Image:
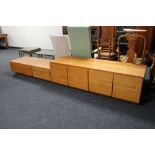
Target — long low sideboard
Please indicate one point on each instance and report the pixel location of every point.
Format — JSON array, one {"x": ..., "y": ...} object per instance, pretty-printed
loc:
[{"x": 119, "y": 80}]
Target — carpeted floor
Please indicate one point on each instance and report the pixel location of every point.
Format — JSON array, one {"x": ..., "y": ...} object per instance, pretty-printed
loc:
[{"x": 29, "y": 103}]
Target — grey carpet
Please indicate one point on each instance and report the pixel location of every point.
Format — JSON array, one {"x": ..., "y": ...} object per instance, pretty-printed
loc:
[{"x": 29, "y": 103}]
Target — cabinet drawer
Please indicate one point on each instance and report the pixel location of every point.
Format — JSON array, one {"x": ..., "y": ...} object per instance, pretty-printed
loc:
[
  {"x": 127, "y": 88},
  {"x": 78, "y": 77},
  {"x": 21, "y": 68},
  {"x": 59, "y": 74},
  {"x": 41, "y": 73},
  {"x": 100, "y": 82}
]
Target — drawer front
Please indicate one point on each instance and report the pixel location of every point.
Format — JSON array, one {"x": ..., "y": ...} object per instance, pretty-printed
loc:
[
  {"x": 127, "y": 88},
  {"x": 41, "y": 73},
  {"x": 78, "y": 77},
  {"x": 100, "y": 82},
  {"x": 21, "y": 68},
  {"x": 59, "y": 74}
]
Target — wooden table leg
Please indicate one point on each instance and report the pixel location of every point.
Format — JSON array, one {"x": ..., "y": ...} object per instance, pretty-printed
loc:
[{"x": 6, "y": 41}]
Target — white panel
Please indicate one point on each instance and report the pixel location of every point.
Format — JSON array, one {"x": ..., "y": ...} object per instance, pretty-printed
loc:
[{"x": 31, "y": 36}]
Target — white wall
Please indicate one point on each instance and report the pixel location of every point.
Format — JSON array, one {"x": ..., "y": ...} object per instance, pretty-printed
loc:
[{"x": 31, "y": 36}]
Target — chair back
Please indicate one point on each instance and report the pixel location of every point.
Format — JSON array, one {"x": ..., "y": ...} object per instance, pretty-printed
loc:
[
  {"x": 80, "y": 41},
  {"x": 61, "y": 45},
  {"x": 131, "y": 55},
  {"x": 0, "y": 30},
  {"x": 106, "y": 49}
]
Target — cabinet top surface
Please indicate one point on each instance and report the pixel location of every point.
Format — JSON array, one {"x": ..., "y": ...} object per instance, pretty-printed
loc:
[
  {"x": 33, "y": 61},
  {"x": 103, "y": 65}
]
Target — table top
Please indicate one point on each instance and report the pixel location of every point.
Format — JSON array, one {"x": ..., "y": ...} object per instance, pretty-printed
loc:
[
  {"x": 90, "y": 63},
  {"x": 103, "y": 65},
  {"x": 46, "y": 52},
  {"x": 29, "y": 49}
]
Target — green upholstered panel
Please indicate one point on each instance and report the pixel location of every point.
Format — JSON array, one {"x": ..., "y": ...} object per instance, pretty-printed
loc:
[{"x": 80, "y": 41}]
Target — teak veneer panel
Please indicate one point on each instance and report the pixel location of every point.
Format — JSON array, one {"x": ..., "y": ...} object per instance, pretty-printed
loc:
[
  {"x": 120, "y": 80},
  {"x": 41, "y": 73},
  {"x": 21, "y": 68},
  {"x": 59, "y": 74},
  {"x": 127, "y": 88},
  {"x": 78, "y": 77},
  {"x": 32, "y": 66},
  {"x": 103, "y": 65},
  {"x": 100, "y": 82},
  {"x": 33, "y": 61}
]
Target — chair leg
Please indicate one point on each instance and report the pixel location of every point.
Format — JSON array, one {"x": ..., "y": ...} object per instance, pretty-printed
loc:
[{"x": 152, "y": 73}]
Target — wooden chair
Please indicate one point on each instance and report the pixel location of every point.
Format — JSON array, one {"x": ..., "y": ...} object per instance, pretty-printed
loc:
[
  {"x": 131, "y": 55},
  {"x": 4, "y": 40},
  {"x": 152, "y": 68},
  {"x": 106, "y": 50}
]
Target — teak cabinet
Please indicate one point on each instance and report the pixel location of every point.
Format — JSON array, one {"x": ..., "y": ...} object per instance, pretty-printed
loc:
[
  {"x": 116, "y": 79},
  {"x": 123, "y": 81},
  {"x": 78, "y": 77},
  {"x": 59, "y": 74},
  {"x": 31, "y": 66},
  {"x": 41, "y": 73},
  {"x": 127, "y": 87},
  {"x": 100, "y": 82},
  {"x": 22, "y": 68}
]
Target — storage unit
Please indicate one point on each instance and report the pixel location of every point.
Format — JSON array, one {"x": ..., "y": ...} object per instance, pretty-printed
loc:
[
  {"x": 59, "y": 74},
  {"x": 21, "y": 68},
  {"x": 116, "y": 79},
  {"x": 32, "y": 66},
  {"x": 100, "y": 82},
  {"x": 78, "y": 77},
  {"x": 41, "y": 73},
  {"x": 22, "y": 65},
  {"x": 127, "y": 87}
]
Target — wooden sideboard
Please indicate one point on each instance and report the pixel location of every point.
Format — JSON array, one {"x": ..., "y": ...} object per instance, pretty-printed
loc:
[
  {"x": 110, "y": 78},
  {"x": 116, "y": 79},
  {"x": 31, "y": 66}
]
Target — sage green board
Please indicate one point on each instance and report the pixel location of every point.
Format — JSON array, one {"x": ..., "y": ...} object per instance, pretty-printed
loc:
[{"x": 80, "y": 41}]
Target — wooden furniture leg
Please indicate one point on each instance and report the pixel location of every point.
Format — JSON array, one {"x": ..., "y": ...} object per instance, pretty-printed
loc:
[
  {"x": 152, "y": 72},
  {"x": 6, "y": 41}
]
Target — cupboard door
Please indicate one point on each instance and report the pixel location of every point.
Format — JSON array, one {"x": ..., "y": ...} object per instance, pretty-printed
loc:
[
  {"x": 41, "y": 73},
  {"x": 127, "y": 88},
  {"x": 100, "y": 82},
  {"x": 21, "y": 68},
  {"x": 78, "y": 77},
  {"x": 59, "y": 74}
]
